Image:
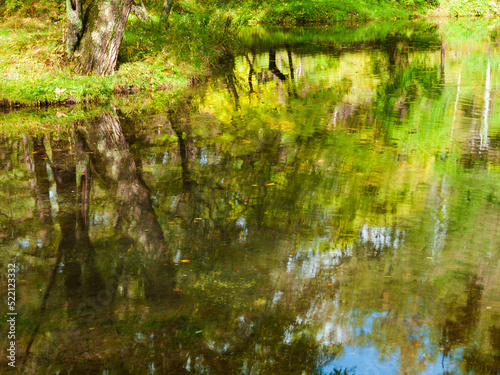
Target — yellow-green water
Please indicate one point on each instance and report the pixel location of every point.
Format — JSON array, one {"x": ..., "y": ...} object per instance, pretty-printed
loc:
[{"x": 327, "y": 205}]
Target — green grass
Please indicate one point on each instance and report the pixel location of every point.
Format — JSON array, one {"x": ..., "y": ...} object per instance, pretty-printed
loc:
[
  {"x": 323, "y": 12},
  {"x": 33, "y": 68},
  {"x": 155, "y": 58},
  {"x": 467, "y": 8}
]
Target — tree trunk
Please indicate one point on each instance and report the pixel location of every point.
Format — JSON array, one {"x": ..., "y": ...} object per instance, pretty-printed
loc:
[
  {"x": 140, "y": 12},
  {"x": 443, "y": 52},
  {"x": 273, "y": 67},
  {"x": 167, "y": 6},
  {"x": 95, "y": 38},
  {"x": 75, "y": 24}
]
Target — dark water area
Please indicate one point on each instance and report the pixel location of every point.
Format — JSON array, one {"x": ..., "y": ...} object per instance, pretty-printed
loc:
[{"x": 329, "y": 204}]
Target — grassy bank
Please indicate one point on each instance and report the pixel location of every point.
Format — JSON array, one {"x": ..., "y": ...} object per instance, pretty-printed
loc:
[
  {"x": 466, "y": 8},
  {"x": 323, "y": 12},
  {"x": 155, "y": 58}
]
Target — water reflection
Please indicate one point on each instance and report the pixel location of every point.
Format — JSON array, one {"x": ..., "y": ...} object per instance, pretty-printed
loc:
[{"x": 328, "y": 205}]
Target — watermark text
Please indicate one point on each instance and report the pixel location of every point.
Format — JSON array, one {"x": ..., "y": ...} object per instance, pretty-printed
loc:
[{"x": 11, "y": 314}]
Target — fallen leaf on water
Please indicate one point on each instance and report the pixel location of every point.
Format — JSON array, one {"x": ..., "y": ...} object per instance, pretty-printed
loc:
[{"x": 185, "y": 261}]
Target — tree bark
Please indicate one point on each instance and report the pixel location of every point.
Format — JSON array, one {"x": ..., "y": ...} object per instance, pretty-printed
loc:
[
  {"x": 94, "y": 39},
  {"x": 140, "y": 12},
  {"x": 167, "y": 6},
  {"x": 75, "y": 24}
]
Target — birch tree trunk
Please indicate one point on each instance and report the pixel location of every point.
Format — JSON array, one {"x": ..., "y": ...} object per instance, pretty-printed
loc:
[{"x": 95, "y": 35}]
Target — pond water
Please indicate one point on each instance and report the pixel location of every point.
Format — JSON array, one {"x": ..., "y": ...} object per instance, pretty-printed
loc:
[{"x": 328, "y": 204}]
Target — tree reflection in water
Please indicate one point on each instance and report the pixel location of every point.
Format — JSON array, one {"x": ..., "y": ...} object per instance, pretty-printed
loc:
[{"x": 280, "y": 220}]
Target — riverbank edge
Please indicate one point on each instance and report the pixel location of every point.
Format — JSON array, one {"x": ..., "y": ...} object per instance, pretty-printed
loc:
[{"x": 184, "y": 78}]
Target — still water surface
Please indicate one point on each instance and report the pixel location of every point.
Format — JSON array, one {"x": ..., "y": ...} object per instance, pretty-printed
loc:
[{"x": 329, "y": 204}]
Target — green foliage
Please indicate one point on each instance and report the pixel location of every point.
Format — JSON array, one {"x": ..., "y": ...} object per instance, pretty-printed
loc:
[
  {"x": 52, "y": 9},
  {"x": 301, "y": 12},
  {"x": 205, "y": 39},
  {"x": 469, "y": 8}
]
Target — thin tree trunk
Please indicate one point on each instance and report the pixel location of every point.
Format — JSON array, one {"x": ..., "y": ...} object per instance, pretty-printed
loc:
[
  {"x": 273, "y": 67},
  {"x": 251, "y": 72},
  {"x": 443, "y": 52},
  {"x": 456, "y": 106},
  {"x": 140, "y": 11},
  {"x": 484, "y": 126},
  {"x": 167, "y": 6}
]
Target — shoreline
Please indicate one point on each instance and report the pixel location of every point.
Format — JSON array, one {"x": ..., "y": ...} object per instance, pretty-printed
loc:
[{"x": 50, "y": 80}]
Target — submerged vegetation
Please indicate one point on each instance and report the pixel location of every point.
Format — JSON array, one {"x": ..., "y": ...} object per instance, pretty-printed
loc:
[{"x": 157, "y": 55}]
